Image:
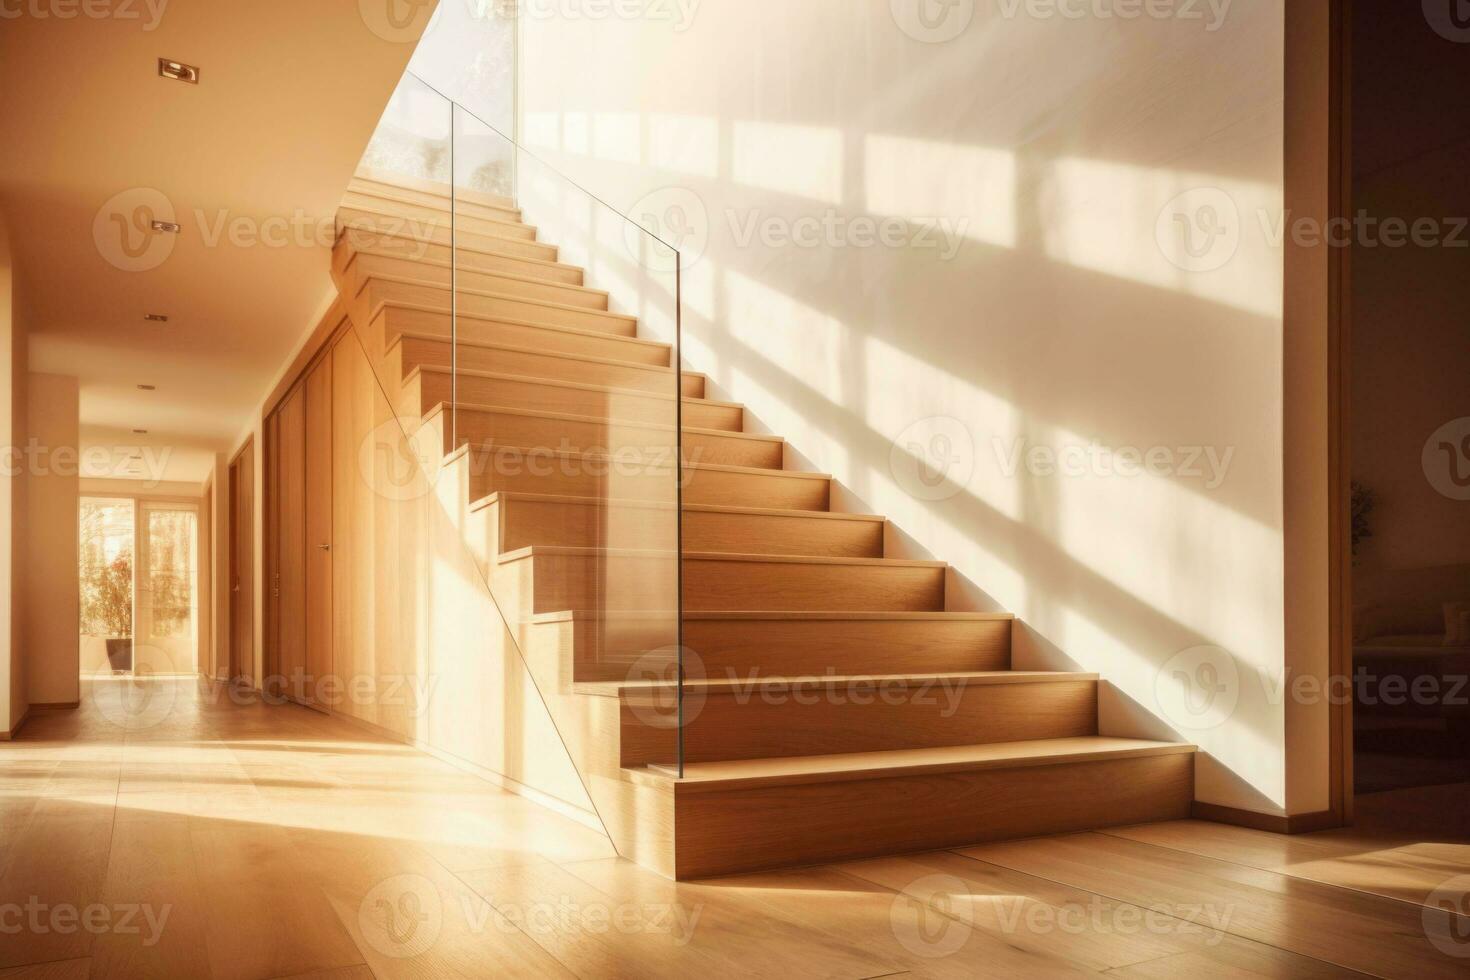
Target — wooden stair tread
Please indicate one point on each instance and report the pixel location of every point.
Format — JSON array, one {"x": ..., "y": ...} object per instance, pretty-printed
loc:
[
  {"x": 371, "y": 207},
  {"x": 594, "y": 615},
  {"x": 399, "y": 304},
  {"x": 558, "y": 383},
  {"x": 563, "y": 417},
  {"x": 486, "y": 294},
  {"x": 435, "y": 263},
  {"x": 779, "y": 682},
  {"x": 488, "y": 345},
  {"x": 406, "y": 235},
  {"x": 492, "y": 498},
  {"x": 389, "y": 179},
  {"x": 359, "y": 221},
  {"x": 444, "y": 203},
  {"x": 741, "y": 773},
  {"x": 602, "y": 457},
  {"x": 532, "y": 551}
]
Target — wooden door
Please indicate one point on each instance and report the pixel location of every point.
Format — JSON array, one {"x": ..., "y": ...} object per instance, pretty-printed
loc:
[
  {"x": 291, "y": 545},
  {"x": 319, "y": 522},
  {"x": 242, "y": 565}
]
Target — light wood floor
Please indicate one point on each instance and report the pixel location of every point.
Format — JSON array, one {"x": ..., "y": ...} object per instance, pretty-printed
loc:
[{"x": 280, "y": 843}]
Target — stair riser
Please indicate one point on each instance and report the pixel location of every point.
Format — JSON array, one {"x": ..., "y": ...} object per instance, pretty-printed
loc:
[
  {"x": 371, "y": 224},
  {"x": 787, "y": 492},
  {"x": 533, "y": 340},
  {"x": 519, "y": 259},
  {"x": 777, "y": 826},
  {"x": 419, "y": 351},
  {"x": 415, "y": 250},
  {"x": 633, "y": 583},
  {"x": 859, "y": 717},
  {"x": 376, "y": 291},
  {"x": 470, "y": 223},
  {"x": 545, "y": 473},
  {"x": 736, "y": 647},
  {"x": 371, "y": 177},
  {"x": 489, "y": 429},
  {"x": 575, "y": 524},
  {"x": 436, "y": 202},
  {"x": 438, "y": 387},
  {"x": 363, "y": 266}
]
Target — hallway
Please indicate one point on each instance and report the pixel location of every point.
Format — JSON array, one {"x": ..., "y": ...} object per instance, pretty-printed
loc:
[{"x": 172, "y": 828}]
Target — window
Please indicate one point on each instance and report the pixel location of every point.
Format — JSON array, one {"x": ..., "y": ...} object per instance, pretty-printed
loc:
[{"x": 171, "y": 572}]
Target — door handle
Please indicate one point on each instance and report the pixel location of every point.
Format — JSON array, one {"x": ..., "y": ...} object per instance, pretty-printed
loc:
[{"x": 325, "y": 547}]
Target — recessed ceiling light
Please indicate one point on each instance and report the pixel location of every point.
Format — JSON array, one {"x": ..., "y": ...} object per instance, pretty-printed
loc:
[
  {"x": 156, "y": 317},
  {"x": 178, "y": 71},
  {"x": 147, "y": 387},
  {"x": 167, "y": 227}
]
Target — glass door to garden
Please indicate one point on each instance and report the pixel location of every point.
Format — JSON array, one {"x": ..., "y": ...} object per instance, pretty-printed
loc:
[
  {"x": 167, "y": 590},
  {"x": 139, "y": 586}
]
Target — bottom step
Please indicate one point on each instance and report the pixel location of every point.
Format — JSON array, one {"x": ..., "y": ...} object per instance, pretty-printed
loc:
[{"x": 756, "y": 814}]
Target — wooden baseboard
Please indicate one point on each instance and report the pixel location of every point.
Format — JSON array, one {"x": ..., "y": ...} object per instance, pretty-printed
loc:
[
  {"x": 1274, "y": 823},
  {"x": 9, "y": 736},
  {"x": 56, "y": 706},
  {"x": 584, "y": 817}
]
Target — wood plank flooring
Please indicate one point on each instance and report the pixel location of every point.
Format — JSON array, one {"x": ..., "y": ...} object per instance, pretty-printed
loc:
[{"x": 173, "y": 829}]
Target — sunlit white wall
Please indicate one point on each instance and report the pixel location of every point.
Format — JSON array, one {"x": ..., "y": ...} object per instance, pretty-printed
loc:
[{"x": 1090, "y": 273}]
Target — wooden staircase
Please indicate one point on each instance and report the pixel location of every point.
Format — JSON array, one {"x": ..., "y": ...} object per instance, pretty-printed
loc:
[{"x": 838, "y": 709}]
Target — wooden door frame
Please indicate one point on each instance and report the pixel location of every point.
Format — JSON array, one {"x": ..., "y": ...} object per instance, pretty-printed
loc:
[
  {"x": 1316, "y": 324},
  {"x": 238, "y": 657},
  {"x": 205, "y": 557},
  {"x": 1339, "y": 370},
  {"x": 1317, "y": 423}
]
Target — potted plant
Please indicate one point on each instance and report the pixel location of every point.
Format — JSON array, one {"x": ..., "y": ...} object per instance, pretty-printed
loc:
[{"x": 108, "y": 601}]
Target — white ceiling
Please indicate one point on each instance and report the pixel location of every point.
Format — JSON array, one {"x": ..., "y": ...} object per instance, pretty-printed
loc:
[{"x": 251, "y": 162}]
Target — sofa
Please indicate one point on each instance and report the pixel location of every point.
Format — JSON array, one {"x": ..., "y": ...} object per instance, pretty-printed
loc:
[{"x": 1411, "y": 654}]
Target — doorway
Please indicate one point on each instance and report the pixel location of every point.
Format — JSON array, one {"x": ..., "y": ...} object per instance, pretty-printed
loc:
[
  {"x": 139, "y": 581},
  {"x": 1407, "y": 311}
]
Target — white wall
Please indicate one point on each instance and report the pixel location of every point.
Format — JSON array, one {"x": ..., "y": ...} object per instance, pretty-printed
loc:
[
  {"x": 1062, "y": 310},
  {"x": 52, "y": 641}
]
